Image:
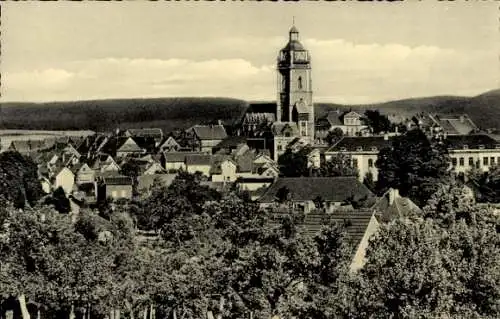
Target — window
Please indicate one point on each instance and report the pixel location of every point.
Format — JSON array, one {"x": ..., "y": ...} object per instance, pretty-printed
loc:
[
  {"x": 355, "y": 162},
  {"x": 454, "y": 161},
  {"x": 114, "y": 194},
  {"x": 492, "y": 161},
  {"x": 300, "y": 83},
  {"x": 287, "y": 134},
  {"x": 280, "y": 147},
  {"x": 461, "y": 161},
  {"x": 303, "y": 123},
  {"x": 471, "y": 161},
  {"x": 498, "y": 160},
  {"x": 485, "y": 161},
  {"x": 124, "y": 193},
  {"x": 370, "y": 162},
  {"x": 303, "y": 133}
]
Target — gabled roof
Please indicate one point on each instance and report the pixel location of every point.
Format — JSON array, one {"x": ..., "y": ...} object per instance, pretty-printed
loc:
[
  {"x": 400, "y": 206},
  {"x": 26, "y": 146},
  {"x": 155, "y": 133},
  {"x": 355, "y": 222},
  {"x": 352, "y": 114},
  {"x": 117, "y": 180},
  {"x": 210, "y": 132},
  {"x": 128, "y": 145},
  {"x": 471, "y": 141},
  {"x": 364, "y": 143},
  {"x": 170, "y": 140},
  {"x": 332, "y": 189}
]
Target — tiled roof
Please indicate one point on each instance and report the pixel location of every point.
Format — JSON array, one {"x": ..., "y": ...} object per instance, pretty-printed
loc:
[
  {"x": 352, "y": 114},
  {"x": 471, "y": 141},
  {"x": 146, "y": 132},
  {"x": 231, "y": 142},
  {"x": 355, "y": 222},
  {"x": 356, "y": 143},
  {"x": 334, "y": 118},
  {"x": 199, "y": 159},
  {"x": 210, "y": 132},
  {"x": 25, "y": 146},
  {"x": 178, "y": 157},
  {"x": 245, "y": 161},
  {"x": 334, "y": 189},
  {"x": 279, "y": 128},
  {"x": 117, "y": 180}
]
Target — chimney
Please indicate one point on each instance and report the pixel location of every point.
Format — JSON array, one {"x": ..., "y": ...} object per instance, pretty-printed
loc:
[
  {"x": 393, "y": 194},
  {"x": 386, "y": 137}
]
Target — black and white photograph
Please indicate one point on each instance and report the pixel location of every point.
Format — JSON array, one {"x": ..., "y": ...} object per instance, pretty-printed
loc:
[{"x": 250, "y": 160}]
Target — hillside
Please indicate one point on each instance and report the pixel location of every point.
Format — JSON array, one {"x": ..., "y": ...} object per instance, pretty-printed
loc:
[
  {"x": 170, "y": 113},
  {"x": 483, "y": 109},
  {"x": 105, "y": 115}
]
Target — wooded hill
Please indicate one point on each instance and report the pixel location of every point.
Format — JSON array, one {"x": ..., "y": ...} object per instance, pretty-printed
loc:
[
  {"x": 170, "y": 113},
  {"x": 105, "y": 115}
]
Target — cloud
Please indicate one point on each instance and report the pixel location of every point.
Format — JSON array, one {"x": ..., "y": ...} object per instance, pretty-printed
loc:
[{"x": 343, "y": 72}]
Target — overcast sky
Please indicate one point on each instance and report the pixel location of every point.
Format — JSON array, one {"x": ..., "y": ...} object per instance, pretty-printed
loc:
[{"x": 361, "y": 52}]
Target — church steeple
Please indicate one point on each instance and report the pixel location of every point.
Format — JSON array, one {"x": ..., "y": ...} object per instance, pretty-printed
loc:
[{"x": 294, "y": 100}]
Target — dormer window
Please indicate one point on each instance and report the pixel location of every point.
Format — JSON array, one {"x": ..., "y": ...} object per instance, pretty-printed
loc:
[
  {"x": 359, "y": 149},
  {"x": 300, "y": 82},
  {"x": 465, "y": 146},
  {"x": 374, "y": 148},
  {"x": 497, "y": 146},
  {"x": 343, "y": 149},
  {"x": 481, "y": 146}
]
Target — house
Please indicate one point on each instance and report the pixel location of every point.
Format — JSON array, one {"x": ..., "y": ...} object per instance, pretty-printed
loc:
[
  {"x": 104, "y": 163},
  {"x": 468, "y": 151},
  {"x": 86, "y": 192},
  {"x": 115, "y": 186},
  {"x": 150, "y": 133},
  {"x": 152, "y": 168},
  {"x": 300, "y": 193},
  {"x": 83, "y": 173},
  {"x": 350, "y": 123},
  {"x": 28, "y": 147},
  {"x": 363, "y": 151},
  {"x": 224, "y": 171},
  {"x": 283, "y": 135},
  {"x": 208, "y": 136},
  {"x": 230, "y": 144},
  {"x": 128, "y": 147},
  {"x": 199, "y": 163},
  {"x": 174, "y": 161},
  {"x": 453, "y": 124},
  {"x": 360, "y": 226},
  {"x": 46, "y": 184},
  {"x": 256, "y": 186},
  {"x": 64, "y": 178},
  {"x": 392, "y": 206},
  {"x": 169, "y": 145}
]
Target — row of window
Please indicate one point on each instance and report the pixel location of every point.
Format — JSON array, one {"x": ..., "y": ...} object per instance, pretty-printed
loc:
[
  {"x": 486, "y": 161},
  {"x": 355, "y": 162}
]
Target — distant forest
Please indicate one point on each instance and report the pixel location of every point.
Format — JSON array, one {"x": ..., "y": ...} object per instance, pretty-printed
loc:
[
  {"x": 106, "y": 115},
  {"x": 171, "y": 113}
]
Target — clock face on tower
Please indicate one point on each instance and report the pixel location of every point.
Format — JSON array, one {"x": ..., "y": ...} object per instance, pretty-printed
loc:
[{"x": 300, "y": 56}]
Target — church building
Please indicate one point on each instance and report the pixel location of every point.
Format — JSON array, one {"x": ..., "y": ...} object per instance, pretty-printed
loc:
[
  {"x": 294, "y": 105},
  {"x": 292, "y": 117}
]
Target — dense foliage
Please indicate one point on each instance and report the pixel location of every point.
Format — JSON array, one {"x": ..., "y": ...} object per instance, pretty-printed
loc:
[
  {"x": 486, "y": 184},
  {"x": 19, "y": 179},
  {"x": 377, "y": 122},
  {"x": 414, "y": 165}
]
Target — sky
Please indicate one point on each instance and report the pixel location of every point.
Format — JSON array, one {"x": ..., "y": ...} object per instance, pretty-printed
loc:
[{"x": 361, "y": 52}]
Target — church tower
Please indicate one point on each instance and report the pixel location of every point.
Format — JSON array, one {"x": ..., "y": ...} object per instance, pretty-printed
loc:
[{"x": 294, "y": 100}]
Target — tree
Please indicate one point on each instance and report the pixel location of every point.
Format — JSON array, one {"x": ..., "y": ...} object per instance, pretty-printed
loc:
[
  {"x": 454, "y": 269},
  {"x": 338, "y": 165},
  {"x": 19, "y": 179},
  {"x": 132, "y": 169},
  {"x": 486, "y": 184},
  {"x": 334, "y": 136},
  {"x": 414, "y": 165},
  {"x": 377, "y": 122},
  {"x": 60, "y": 201},
  {"x": 294, "y": 164}
]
